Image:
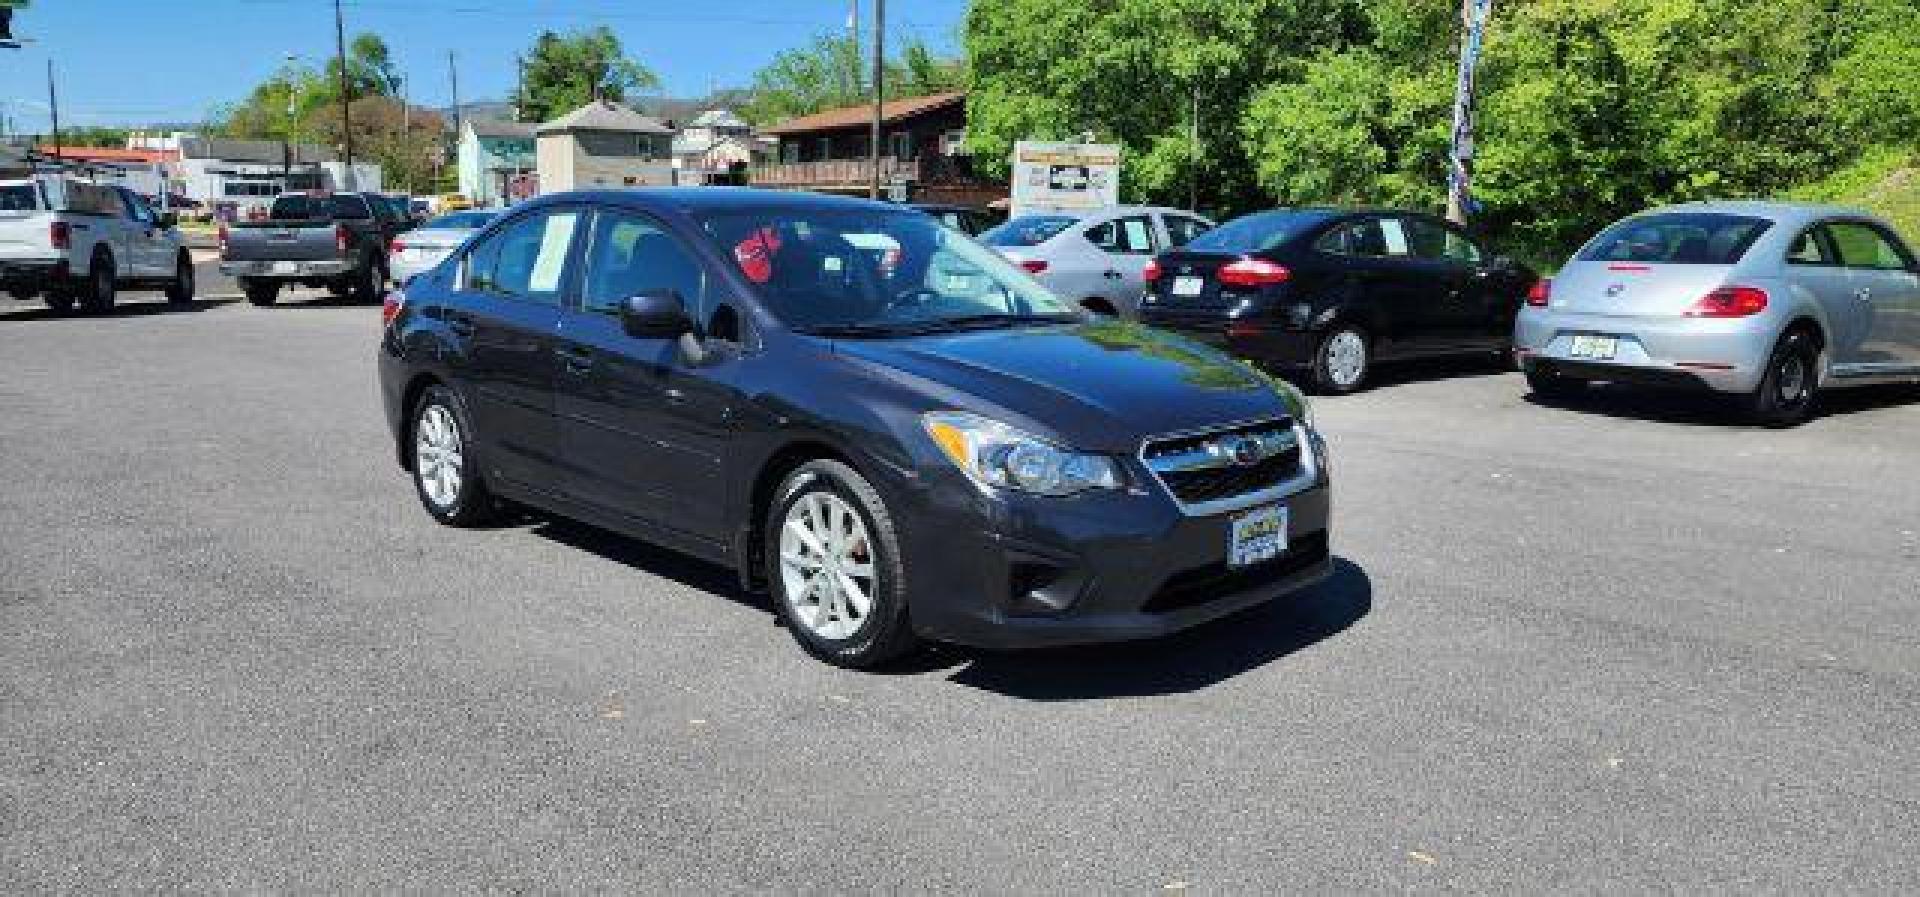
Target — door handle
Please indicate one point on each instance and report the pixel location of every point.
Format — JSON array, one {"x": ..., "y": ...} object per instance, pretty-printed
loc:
[
  {"x": 576, "y": 358},
  {"x": 1864, "y": 294}
]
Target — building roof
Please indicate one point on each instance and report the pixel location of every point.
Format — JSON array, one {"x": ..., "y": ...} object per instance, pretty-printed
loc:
[
  {"x": 494, "y": 127},
  {"x": 718, "y": 118},
  {"x": 108, "y": 154},
  {"x": 260, "y": 151},
  {"x": 604, "y": 115},
  {"x": 852, "y": 116}
]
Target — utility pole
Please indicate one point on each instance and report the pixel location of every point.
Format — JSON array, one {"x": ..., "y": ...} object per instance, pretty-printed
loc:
[
  {"x": 1473, "y": 24},
  {"x": 53, "y": 110},
  {"x": 1193, "y": 138},
  {"x": 879, "y": 88},
  {"x": 346, "y": 94},
  {"x": 453, "y": 76}
]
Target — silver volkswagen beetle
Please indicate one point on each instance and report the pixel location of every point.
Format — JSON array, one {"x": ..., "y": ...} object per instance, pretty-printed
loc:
[{"x": 1768, "y": 301}]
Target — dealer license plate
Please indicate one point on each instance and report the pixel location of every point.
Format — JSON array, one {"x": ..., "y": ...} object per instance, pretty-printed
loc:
[
  {"x": 1187, "y": 286},
  {"x": 285, "y": 268},
  {"x": 1600, "y": 347},
  {"x": 1257, "y": 535}
]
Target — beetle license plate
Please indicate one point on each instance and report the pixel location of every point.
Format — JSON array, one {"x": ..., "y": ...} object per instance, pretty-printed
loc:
[
  {"x": 1600, "y": 347},
  {"x": 1257, "y": 535},
  {"x": 285, "y": 268},
  {"x": 1187, "y": 286}
]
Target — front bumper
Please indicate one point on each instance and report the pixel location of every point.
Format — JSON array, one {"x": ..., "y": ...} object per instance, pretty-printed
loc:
[
  {"x": 287, "y": 270},
  {"x": 1724, "y": 355},
  {"x": 1001, "y": 571}
]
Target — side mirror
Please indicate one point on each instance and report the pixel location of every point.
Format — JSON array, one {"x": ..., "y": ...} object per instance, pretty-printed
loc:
[
  {"x": 655, "y": 314},
  {"x": 169, "y": 220}
]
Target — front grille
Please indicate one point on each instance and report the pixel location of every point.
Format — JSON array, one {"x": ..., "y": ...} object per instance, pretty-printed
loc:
[
  {"x": 1196, "y": 486},
  {"x": 1199, "y": 468},
  {"x": 1201, "y": 585}
]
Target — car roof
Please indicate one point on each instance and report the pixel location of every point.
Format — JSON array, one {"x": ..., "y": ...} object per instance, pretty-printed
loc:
[
  {"x": 1770, "y": 209},
  {"x": 942, "y": 207},
  {"x": 697, "y": 201}
]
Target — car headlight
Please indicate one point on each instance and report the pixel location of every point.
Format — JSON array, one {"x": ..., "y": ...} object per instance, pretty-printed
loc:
[{"x": 994, "y": 454}]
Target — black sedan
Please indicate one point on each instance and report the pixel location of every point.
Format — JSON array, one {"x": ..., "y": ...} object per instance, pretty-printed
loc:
[
  {"x": 1328, "y": 292},
  {"x": 885, "y": 424}
]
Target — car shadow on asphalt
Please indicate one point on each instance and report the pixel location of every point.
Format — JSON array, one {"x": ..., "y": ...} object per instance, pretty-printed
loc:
[
  {"x": 1389, "y": 374},
  {"x": 1705, "y": 409},
  {"x": 320, "y": 300},
  {"x": 24, "y": 311},
  {"x": 645, "y": 557},
  {"x": 1187, "y": 662}
]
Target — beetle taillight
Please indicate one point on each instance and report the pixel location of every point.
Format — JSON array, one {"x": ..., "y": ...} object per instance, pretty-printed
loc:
[
  {"x": 1729, "y": 302},
  {"x": 1540, "y": 293}
]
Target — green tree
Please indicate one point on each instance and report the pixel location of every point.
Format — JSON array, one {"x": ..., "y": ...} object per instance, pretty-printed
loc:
[
  {"x": 565, "y": 72},
  {"x": 831, "y": 72}
]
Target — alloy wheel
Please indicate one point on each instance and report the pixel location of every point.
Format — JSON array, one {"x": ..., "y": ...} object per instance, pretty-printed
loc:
[
  {"x": 1346, "y": 358},
  {"x": 1790, "y": 380},
  {"x": 438, "y": 459},
  {"x": 826, "y": 565}
]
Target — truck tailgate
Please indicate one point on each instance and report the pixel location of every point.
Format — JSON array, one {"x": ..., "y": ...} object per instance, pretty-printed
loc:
[
  {"x": 24, "y": 235},
  {"x": 281, "y": 241}
]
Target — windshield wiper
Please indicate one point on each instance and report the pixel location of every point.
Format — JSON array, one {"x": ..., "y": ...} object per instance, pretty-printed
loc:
[
  {"x": 1000, "y": 319},
  {"x": 855, "y": 330}
]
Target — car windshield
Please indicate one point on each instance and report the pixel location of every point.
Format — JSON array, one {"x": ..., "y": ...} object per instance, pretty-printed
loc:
[
  {"x": 18, "y": 198},
  {"x": 1250, "y": 233},
  {"x": 1027, "y": 230},
  {"x": 878, "y": 273},
  {"x": 1677, "y": 238},
  {"x": 459, "y": 221}
]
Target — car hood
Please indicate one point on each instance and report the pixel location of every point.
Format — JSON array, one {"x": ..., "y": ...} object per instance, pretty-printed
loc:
[{"x": 1101, "y": 386}]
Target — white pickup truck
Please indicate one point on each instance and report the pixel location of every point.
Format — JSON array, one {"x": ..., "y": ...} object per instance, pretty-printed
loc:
[{"x": 74, "y": 243}]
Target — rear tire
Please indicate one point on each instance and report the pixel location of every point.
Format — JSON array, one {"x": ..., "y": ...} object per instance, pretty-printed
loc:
[
  {"x": 446, "y": 472},
  {"x": 829, "y": 543},
  {"x": 1786, "y": 394},
  {"x": 367, "y": 283},
  {"x": 1343, "y": 360},
  {"x": 1554, "y": 386},
  {"x": 260, "y": 293},
  {"x": 102, "y": 285},
  {"x": 180, "y": 291}
]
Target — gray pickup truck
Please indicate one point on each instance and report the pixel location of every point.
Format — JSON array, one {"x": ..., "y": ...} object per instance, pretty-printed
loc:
[{"x": 332, "y": 240}]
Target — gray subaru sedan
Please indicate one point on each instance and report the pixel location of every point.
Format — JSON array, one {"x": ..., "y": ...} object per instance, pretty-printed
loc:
[{"x": 1769, "y": 302}]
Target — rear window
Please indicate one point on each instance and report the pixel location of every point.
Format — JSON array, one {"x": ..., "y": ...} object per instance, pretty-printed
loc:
[
  {"x": 1027, "y": 230},
  {"x": 1678, "y": 238},
  {"x": 19, "y": 198},
  {"x": 460, "y": 221},
  {"x": 1250, "y": 233},
  {"x": 300, "y": 208}
]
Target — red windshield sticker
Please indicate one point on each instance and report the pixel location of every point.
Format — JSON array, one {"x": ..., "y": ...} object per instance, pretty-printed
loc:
[{"x": 755, "y": 254}]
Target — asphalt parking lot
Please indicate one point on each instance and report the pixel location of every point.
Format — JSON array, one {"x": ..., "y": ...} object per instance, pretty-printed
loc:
[{"x": 1621, "y": 645}]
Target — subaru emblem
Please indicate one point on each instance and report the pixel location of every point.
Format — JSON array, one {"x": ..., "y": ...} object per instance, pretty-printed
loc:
[{"x": 1245, "y": 451}]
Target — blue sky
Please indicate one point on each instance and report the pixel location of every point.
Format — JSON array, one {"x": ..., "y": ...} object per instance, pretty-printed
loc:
[{"x": 134, "y": 61}]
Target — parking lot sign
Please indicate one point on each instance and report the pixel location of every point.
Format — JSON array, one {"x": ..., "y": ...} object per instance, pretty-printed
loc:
[{"x": 1064, "y": 177}]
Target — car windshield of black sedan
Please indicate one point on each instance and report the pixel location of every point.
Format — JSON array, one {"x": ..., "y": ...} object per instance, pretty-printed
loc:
[
  {"x": 1251, "y": 233},
  {"x": 879, "y": 273}
]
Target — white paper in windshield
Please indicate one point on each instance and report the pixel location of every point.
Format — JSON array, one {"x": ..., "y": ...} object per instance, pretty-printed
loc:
[{"x": 553, "y": 253}]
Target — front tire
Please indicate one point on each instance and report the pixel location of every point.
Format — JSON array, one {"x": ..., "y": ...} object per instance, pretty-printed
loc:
[
  {"x": 1343, "y": 360},
  {"x": 180, "y": 291},
  {"x": 834, "y": 565},
  {"x": 446, "y": 474},
  {"x": 1785, "y": 396}
]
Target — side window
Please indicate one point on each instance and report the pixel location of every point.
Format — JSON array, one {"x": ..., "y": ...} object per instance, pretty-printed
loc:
[
  {"x": 1812, "y": 247},
  {"x": 526, "y": 260},
  {"x": 629, "y": 254},
  {"x": 137, "y": 209},
  {"x": 1432, "y": 240},
  {"x": 1366, "y": 238},
  {"x": 1864, "y": 246},
  {"x": 1132, "y": 235},
  {"x": 350, "y": 207},
  {"x": 1181, "y": 230}
]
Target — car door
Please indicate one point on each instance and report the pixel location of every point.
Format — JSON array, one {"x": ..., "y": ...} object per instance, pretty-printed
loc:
[
  {"x": 147, "y": 242},
  {"x": 1380, "y": 282},
  {"x": 1812, "y": 268},
  {"x": 1464, "y": 299},
  {"x": 643, "y": 432},
  {"x": 506, "y": 317},
  {"x": 1124, "y": 244},
  {"x": 1881, "y": 271}
]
